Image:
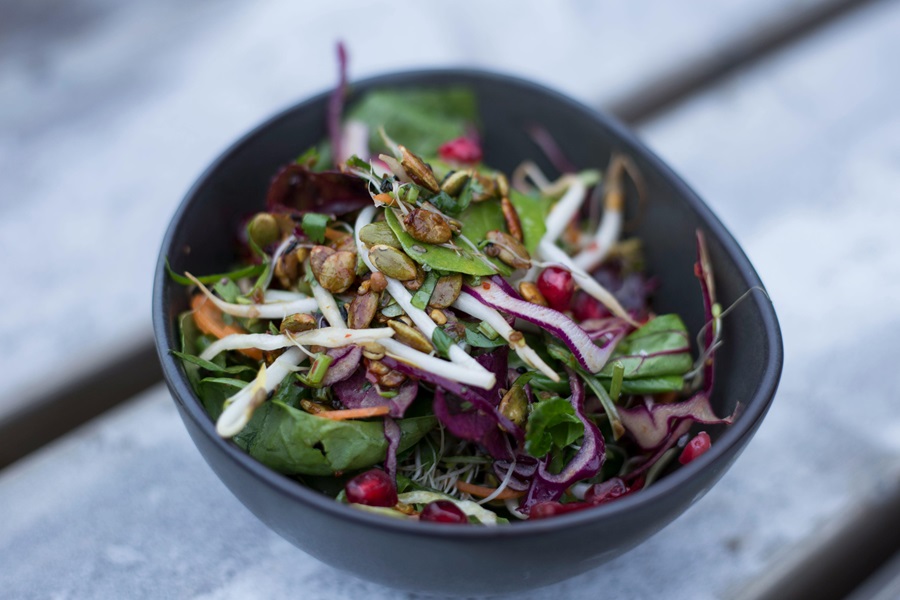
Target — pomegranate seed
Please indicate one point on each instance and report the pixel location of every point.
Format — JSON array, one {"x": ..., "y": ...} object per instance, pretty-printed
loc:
[
  {"x": 372, "y": 488},
  {"x": 557, "y": 287},
  {"x": 697, "y": 446},
  {"x": 543, "y": 510},
  {"x": 607, "y": 491},
  {"x": 461, "y": 150},
  {"x": 586, "y": 307},
  {"x": 443, "y": 511}
]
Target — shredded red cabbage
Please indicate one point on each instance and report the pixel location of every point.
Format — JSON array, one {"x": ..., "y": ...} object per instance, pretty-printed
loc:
[
  {"x": 346, "y": 360},
  {"x": 650, "y": 424},
  {"x": 471, "y": 422},
  {"x": 357, "y": 392}
]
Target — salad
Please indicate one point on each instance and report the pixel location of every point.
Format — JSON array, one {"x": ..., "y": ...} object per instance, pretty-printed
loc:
[{"x": 417, "y": 334}]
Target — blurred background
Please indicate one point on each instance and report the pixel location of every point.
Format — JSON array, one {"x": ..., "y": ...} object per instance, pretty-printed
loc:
[{"x": 784, "y": 115}]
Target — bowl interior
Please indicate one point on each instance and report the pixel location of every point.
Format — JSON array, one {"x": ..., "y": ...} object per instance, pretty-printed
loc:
[{"x": 201, "y": 239}]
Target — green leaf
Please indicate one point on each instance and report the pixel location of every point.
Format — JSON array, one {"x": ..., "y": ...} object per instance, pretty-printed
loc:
[
  {"x": 446, "y": 203},
  {"x": 441, "y": 341},
  {"x": 650, "y": 385},
  {"x": 476, "y": 338},
  {"x": 532, "y": 213},
  {"x": 211, "y": 366},
  {"x": 229, "y": 381},
  {"x": 551, "y": 424},
  {"x": 658, "y": 348},
  {"x": 314, "y": 225},
  {"x": 423, "y": 295},
  {"x": 310, "y": 158},
  {"x": 464, "y": 260},
  {"x": 228, "y": 290},
  {"x": 419, "y": 118},
  {"x": 294, "y": 442},
  {"x": 250, "y": 271}
]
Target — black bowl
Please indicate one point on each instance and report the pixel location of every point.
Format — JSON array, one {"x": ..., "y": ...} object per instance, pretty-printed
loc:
[{"x": 430, "y": 557}]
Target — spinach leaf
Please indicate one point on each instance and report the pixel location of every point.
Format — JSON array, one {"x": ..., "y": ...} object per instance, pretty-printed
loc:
[
  {"x": 658, "y": 348},
  {"x": 551, "y": 424},
  {"x": 649, "y": 385},
  {"x": 532, "y": 213},
  {"x": 476, "y": 222},
  {"x": 420, "y": 118},
  {"x": 294, "y": 442}
]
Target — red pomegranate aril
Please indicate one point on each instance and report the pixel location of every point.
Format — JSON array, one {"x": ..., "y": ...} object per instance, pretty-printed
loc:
[
  {"x": 698, "y": 445},
  {"x": 557, "y": 287},
  {"x": 542, "y": 510},
  {"x": 443, "y": 511},
  {"x": 372, "y": 488},
  {"x": 585, "y": 307},
  {"x": 607, "y": 491},
  {"x": 461, "y": 150}
]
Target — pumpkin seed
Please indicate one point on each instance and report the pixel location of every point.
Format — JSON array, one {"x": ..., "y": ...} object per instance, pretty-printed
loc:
[
  {"x": 418, "y": 171},
  {"x": 514, "y": 405},
  {"x": 337, "y": 272},
  {"x": 362, "y": 310},
  {"x": 509, "y": 250},
  {"x": 454, "y": 182},
  {"x": 428, "y": 227},
  {"x": 379, "y": 233},
  {"x": 531, "y": 293},
  {"x": 446, "y": 291},
  {"x": 297, "y": 322},
  {"x": 392, "y": 262},
  {"x": 263, "y": 229},
  {"x": 410, "y": 336}
]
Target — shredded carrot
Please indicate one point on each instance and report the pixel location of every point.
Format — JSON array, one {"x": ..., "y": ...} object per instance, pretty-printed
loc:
[
  {"x": 335, "y": 235},
  {"x": 483, "y": 492},
  {"x": 355, "y": 413},
  {"x": 208, "y": 318}
]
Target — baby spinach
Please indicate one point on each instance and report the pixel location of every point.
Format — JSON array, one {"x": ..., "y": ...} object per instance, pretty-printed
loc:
[
  {"x": 294, "y": 442},
  {"x": 658, "y": 348},
  {"x": 532, "y": 213}
]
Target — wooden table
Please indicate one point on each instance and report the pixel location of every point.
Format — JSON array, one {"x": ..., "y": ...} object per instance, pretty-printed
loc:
[{"x": 798, "y": 151}]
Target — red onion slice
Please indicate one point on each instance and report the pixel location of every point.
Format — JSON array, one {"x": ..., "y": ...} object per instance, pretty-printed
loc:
[{"x": 588, "y": 354}]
